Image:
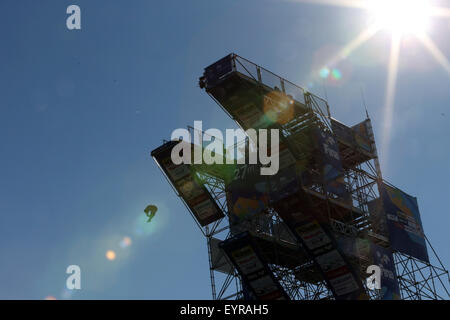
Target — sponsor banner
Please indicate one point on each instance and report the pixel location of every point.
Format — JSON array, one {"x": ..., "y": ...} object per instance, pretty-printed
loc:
[
  {"x": 248, "y": 192},
  {"x": 195, "y": 195},
  {"x": 330, "y": 160},
  {"x": 323, "y": 249},
  {"x": 258, "y": 280},
  {"x": 362, "y": 139},
  {"x": 247, "y": 204},
  {"x": 344, "y": 284},
  {"x": 343, "y": 133},
  {"x": 205, "y": 209},
  {"x": 316, "y": 238},
  {"x": 328, "y": 155},
  {"x": 403, "y": 223},
  {"x": 175, "y": 172},
  {"x": 313, "y": 236},
  {"x": 383, "y": 258},
  {"x": 330, "y": 261},
  {"x": 247, "y": 260},
  {"x": 189, "y": 188},
  {"x": 337, "y": 273},
  {"x": 265, "y": 288},
  {"x": 357, "y": 135},
  {"x": 374, "y": 254}
]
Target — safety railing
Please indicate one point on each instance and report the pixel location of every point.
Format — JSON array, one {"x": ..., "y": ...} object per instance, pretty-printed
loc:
[{"x": 275, "y": 82}]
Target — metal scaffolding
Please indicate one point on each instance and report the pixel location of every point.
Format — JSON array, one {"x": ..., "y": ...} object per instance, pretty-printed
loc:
[{"x": 239, "y": 88}]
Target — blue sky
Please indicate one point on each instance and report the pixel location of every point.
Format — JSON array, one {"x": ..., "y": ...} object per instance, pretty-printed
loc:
[{"x": 80, "y": 112}]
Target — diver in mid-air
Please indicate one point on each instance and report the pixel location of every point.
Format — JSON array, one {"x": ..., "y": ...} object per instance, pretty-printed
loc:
[{"x": 150, "y": 212}]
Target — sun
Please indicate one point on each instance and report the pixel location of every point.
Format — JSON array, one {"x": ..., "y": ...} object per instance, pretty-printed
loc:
[{"x": 400, "y": 16}]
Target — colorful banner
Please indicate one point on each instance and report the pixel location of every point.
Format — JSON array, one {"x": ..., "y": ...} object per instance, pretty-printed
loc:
[
  {"x": 328, "y": 155},
  {"x": 383, "y": 258},
  {"x": 321, "y": 246},
  {"x": 374, "y": 254},
  {"x": 356, "y": 136},
  {"x": 248, "y": 192},
  {"x": 194, "y": 194},
  {"x": 329, "y": 158},
  {"x": 403, "y": 223},
  {"x": 337, "y": 271},
  {"x": 254, "y": 270}
]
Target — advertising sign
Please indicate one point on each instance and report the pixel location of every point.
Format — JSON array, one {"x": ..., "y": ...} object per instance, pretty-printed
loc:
[
  {"x": 330, "y": 160},
  {"x": 362, "y": 136},
  {"x": 343, "y": 133},
  {"x": 248, "y": 191},
  {"x": 328, "y": 155},
  {"x": 403, "y": 223},
  {"x": 374, "y": 254},
  {"x": 255, "y": 273},
  {"x": 195, "y": 195},
  {"x": 383, "y": 258},
  {"x": 337, "y": 271}
]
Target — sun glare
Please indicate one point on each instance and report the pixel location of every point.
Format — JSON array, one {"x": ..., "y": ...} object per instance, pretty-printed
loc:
[{"x": 401, "y": 16}]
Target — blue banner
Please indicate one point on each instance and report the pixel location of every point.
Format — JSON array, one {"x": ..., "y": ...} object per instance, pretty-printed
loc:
[
  {"x": 248, "y": 192},
  {"x": 383, "y": 258},
  {"x": 403, "y": 223}
]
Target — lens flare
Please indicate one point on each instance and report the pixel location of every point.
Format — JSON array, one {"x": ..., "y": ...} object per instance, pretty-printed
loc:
[
  {"x": 324, "y": 72},
  {"x": 66, "y": 294},
  {"x": 50, "y": 298},
  {"x": 278, "y": 107},
  {"x": 110, "y": 255},
  {"x": 337, "y": 75},
  {"x": 125, "y": 242},
  {"x": 390, "y": 96},
  {"x": 435, "y": 52},
  {"x": 142, "y": 228},
  {"x": 354, "y": 44}
]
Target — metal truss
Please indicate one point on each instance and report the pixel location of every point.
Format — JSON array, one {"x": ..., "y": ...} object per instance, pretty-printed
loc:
[
  {"x": 417, "y": 279},
  {"x": 421, "y": 280},
  {"x": 229, "y": 286}
]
